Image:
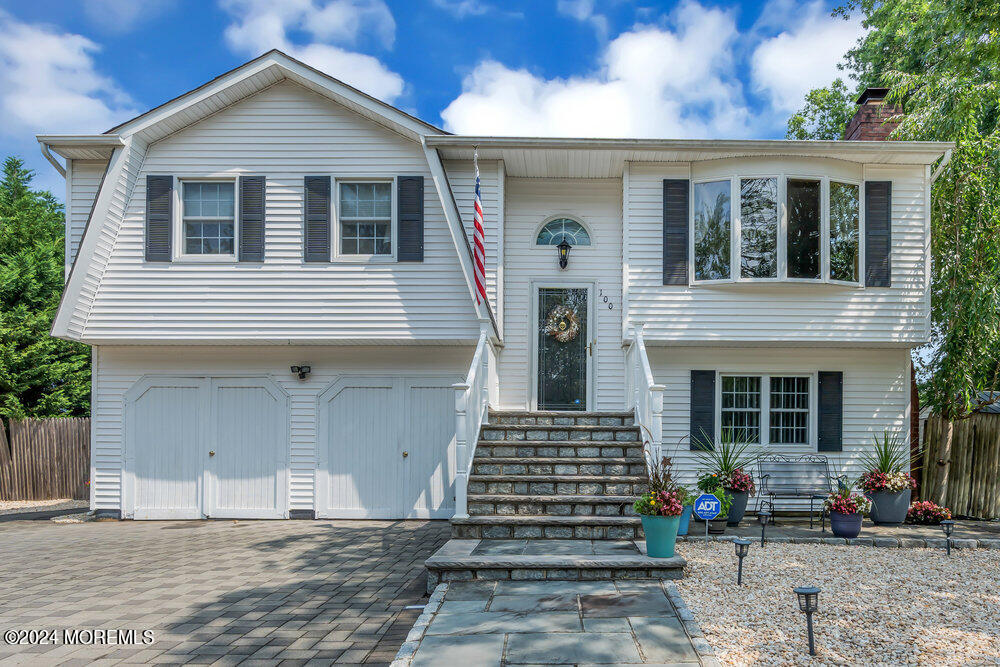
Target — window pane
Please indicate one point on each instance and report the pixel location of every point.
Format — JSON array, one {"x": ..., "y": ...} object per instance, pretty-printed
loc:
[
  {"x": 759, "y": 227},
  {"x": 349, "y": 200},
  {"x": 789, "y": 418},
  {"x": 844, "y": 231},
  {"x": 741, "y": 408},
  {"x": 711, "y": 230},
  {"x": 555, "y": 231},
  {"x": 803, "y": 228},
  {"x": 383, "y": 200}
]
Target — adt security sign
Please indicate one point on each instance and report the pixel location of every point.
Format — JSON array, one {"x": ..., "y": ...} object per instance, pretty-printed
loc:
[{"x": 707, "y": 507}]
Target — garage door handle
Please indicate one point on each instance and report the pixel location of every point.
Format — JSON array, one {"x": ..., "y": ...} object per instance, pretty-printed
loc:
[
  {"x": 211, "y": 453},
  {"x": 405, "y": 454}
]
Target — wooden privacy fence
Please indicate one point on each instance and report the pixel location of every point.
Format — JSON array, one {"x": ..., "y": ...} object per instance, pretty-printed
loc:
[
  {"x": 44, "y": 459},
  {"x": 974, "y": 476}
]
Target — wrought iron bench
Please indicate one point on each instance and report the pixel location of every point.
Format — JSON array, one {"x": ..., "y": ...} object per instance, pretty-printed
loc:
[{"x": 806, "y": 476}]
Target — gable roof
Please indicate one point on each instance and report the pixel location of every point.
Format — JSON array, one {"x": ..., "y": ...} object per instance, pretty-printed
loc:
[{"x": 252, "y": 77}]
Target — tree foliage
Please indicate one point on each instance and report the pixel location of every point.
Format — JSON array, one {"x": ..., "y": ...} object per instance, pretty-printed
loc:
[
  {"x": 40, "y": 376},
  {"x": 825, "y": 114}
]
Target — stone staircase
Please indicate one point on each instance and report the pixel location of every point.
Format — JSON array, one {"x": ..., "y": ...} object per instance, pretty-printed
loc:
[
  {"x": 555, "y": 475},
  {"x": 550, "y": 497}
]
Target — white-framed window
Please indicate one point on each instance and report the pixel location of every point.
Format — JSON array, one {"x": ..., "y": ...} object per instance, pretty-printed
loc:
[
  {"x": 766, "y": 409},
  {"x": 556, "y": 231},
  {"x": 208, "y": 219},
  {"x": 777, "y": 227},
  {"x": 366, "y": 219}
]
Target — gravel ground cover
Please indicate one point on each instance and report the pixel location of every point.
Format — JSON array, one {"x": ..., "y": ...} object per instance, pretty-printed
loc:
[
  {"x": 877, "y": 606},
  {"x": 11, "y": 506}
]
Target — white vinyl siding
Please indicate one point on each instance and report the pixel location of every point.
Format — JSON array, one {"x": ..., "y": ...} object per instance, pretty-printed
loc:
[
  {"x": 596, "y": 204},
  {"x": 84, "y": 180},
  {"x": 876, "y": 393},
  {"x": 119, "y": 368},
  {"x": 782, "y": 312},
  {"x": 283, "y": 133}
]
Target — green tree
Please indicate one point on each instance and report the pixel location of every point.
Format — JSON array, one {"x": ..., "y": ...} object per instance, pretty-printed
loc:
[
  {"x": 40, "y": 376},
  {"x": 825, "y": 114}
]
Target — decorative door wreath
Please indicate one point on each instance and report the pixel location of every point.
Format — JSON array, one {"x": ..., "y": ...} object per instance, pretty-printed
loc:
[{"x": 562, "y": 324}]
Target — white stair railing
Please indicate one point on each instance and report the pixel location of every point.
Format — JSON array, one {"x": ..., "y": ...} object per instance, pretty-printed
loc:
[
  {"x": 645, "y": 394},
  {"x": 472, "y": 403}
]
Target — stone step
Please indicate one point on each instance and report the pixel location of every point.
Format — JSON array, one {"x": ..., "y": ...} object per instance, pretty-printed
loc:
[
  {"x": 559, "y": 465},
  {"x": 587, "y": 485},
  {"x": 558, "y": 448},
  {"x": 561, "y": 418},
  {"x": 548, "y": 527},
  {"x": 506, "y": 505},
  {"x": 563, "y": 560},
  {"x": 575, "y": 432}
]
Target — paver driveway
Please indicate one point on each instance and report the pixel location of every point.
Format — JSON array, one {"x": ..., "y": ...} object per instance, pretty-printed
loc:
[{"x": 225, "y": 591}]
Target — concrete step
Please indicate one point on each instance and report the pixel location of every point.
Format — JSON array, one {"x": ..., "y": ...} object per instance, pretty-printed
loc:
[
  {"x": 561, "y": 418},
  {"x": 548, "y": 527},
  {"x": 588, "y": 485},
  {"x": 486, "y": 449},
  {"x": 559, "y": 465},
  {"x": 573, "y": 505},
  {"x": 574, "y": 432},
  {"x": 554, "y": 560}
]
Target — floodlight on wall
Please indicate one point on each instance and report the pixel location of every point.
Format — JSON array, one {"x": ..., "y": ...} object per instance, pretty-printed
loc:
[{"x": 301, "y": 371}]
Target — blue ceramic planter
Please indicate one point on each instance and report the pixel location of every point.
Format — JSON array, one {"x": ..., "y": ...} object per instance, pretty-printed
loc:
[
  {"x": 682, "y": 528},
  {"x": 661, "y": 535}
]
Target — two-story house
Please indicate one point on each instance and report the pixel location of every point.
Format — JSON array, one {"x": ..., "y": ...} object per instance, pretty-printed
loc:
[{"x": 275, "y": 275}]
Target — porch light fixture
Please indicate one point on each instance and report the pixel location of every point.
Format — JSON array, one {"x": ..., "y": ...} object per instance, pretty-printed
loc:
[
  {"x": 808, "y": 603},
  {"x": 948, "y": 526},
  {"x": 301, "y": 371},
  {"x": 742, "y": 549},
  {"x": 763, "y": 518},
  {"x": 563, "y": 249}
]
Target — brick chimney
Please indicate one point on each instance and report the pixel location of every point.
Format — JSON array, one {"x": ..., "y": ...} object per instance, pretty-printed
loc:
[{"x": 868, "y": 121}]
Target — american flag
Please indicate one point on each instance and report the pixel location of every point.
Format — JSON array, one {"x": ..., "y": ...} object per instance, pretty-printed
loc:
[{"x": 479, "y": 239}]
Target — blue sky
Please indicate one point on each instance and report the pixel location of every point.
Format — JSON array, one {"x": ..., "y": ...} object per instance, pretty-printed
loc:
[{"x": 688, "y": 69}]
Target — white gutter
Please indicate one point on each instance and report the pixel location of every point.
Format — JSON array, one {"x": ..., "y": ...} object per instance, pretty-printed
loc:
[
  {"x": 51, "y": 158},
  {"x": 944, "y": 163}
]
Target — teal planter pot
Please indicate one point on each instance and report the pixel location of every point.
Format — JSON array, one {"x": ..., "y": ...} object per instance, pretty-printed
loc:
[
  {"x": 682, "y": 529},
  {"x": 661, "y": 535}
]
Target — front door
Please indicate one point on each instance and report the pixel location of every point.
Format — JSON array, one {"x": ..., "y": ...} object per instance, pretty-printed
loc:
[{"x": 562, "y": 348}]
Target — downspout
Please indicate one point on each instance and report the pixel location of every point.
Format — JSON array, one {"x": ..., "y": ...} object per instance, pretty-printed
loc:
[
  {"x": 52, "y": 160},
  {"x": 940, "y": 167}
]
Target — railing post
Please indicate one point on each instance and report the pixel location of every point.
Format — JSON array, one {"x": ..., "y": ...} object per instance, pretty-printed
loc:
[
  {"x": 461, "y": 450},
  {"x": 656, "y": 417}
]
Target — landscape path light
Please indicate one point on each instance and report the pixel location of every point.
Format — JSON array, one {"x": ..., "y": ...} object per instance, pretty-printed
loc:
[
  {"x": 742, "y": 549},
  {"x": 763, "y": 518},
  {"x": 808, "y": 603},
  {"x": 948, "y": 526}
]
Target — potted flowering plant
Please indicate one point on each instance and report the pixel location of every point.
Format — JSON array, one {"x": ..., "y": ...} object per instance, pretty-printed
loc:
[
  {"x": 846, "y": 508},
  {"x": 726, "y": 464},
  {"x": 660, "y": 509},
  {"x": 886, "y": 482},
  {"x": 927, "y": 513}
]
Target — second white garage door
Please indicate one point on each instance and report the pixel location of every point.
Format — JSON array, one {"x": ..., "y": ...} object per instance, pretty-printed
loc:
[{"x": 386, "y": 448}]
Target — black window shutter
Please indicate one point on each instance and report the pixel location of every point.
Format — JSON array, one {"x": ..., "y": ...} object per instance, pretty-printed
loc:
[
  {"x": 878, "y": 233},
  {"x": 252, "y": 218},
  {"x": 317, "y": 219},
  {"x": 702, "y": 410},
  {"x": 830, "y": 425},
  {"x": 675, "y": 231},
  {"x": 159, "y": 204},
  {"x": 410, "y": 203}
]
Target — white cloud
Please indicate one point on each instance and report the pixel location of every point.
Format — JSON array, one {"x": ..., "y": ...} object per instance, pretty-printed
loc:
[
  {"x": 583, "y": 11},
  {"x": 121, "y": 16},
  {"x": 803, "y": 55},
  {"x": 262, "y": 25},
  {"x": 463, "y": 8},
  {"x": 652, "y": 81},
  {"x": 49, "y": 82}
]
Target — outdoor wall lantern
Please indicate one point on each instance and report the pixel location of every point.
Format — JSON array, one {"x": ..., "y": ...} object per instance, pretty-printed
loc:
[
  {"x": 808, "y": 603},
  {"x": 563, "y": 249},
  {"x": 763, "y": 518},
  {"x": 948, "y": 526},
  {"x": 302, "y": 371},
  {"x": 742, "y": 549}
]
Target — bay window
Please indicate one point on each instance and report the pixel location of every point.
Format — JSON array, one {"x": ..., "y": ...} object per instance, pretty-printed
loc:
[{"x": 765, "y": 409}]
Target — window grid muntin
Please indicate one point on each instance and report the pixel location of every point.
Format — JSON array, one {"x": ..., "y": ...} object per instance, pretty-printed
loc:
[
  {"x": 789, "y": 408},
  {"x": 554, "y": 231},
  {"x": 365, "y": 214},
  {"x": 741, "y": 408},
  {"x": 208, "y": 217}
]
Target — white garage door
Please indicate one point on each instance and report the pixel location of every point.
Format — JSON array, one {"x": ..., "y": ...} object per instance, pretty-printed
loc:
[
  {"x": 215, "y": 447},
  {"x": 386, "y": 448}
]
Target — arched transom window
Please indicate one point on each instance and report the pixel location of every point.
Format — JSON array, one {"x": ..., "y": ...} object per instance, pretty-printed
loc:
[{"x": 556, "y": 230}]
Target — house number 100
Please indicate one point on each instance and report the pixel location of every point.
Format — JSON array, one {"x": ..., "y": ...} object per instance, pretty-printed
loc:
[{"x": 606, "y": 299}]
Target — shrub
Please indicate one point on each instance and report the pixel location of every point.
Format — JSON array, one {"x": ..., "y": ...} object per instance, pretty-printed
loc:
[{"x": 927, "y": 513}]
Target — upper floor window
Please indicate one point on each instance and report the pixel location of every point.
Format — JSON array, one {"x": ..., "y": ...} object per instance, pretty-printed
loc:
[
  {"x": 365, "y": 217},
  {"x": 555, "y": 231},
  {"x": 776, "y": 228},
  {"x": 209, "y": 217}
]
